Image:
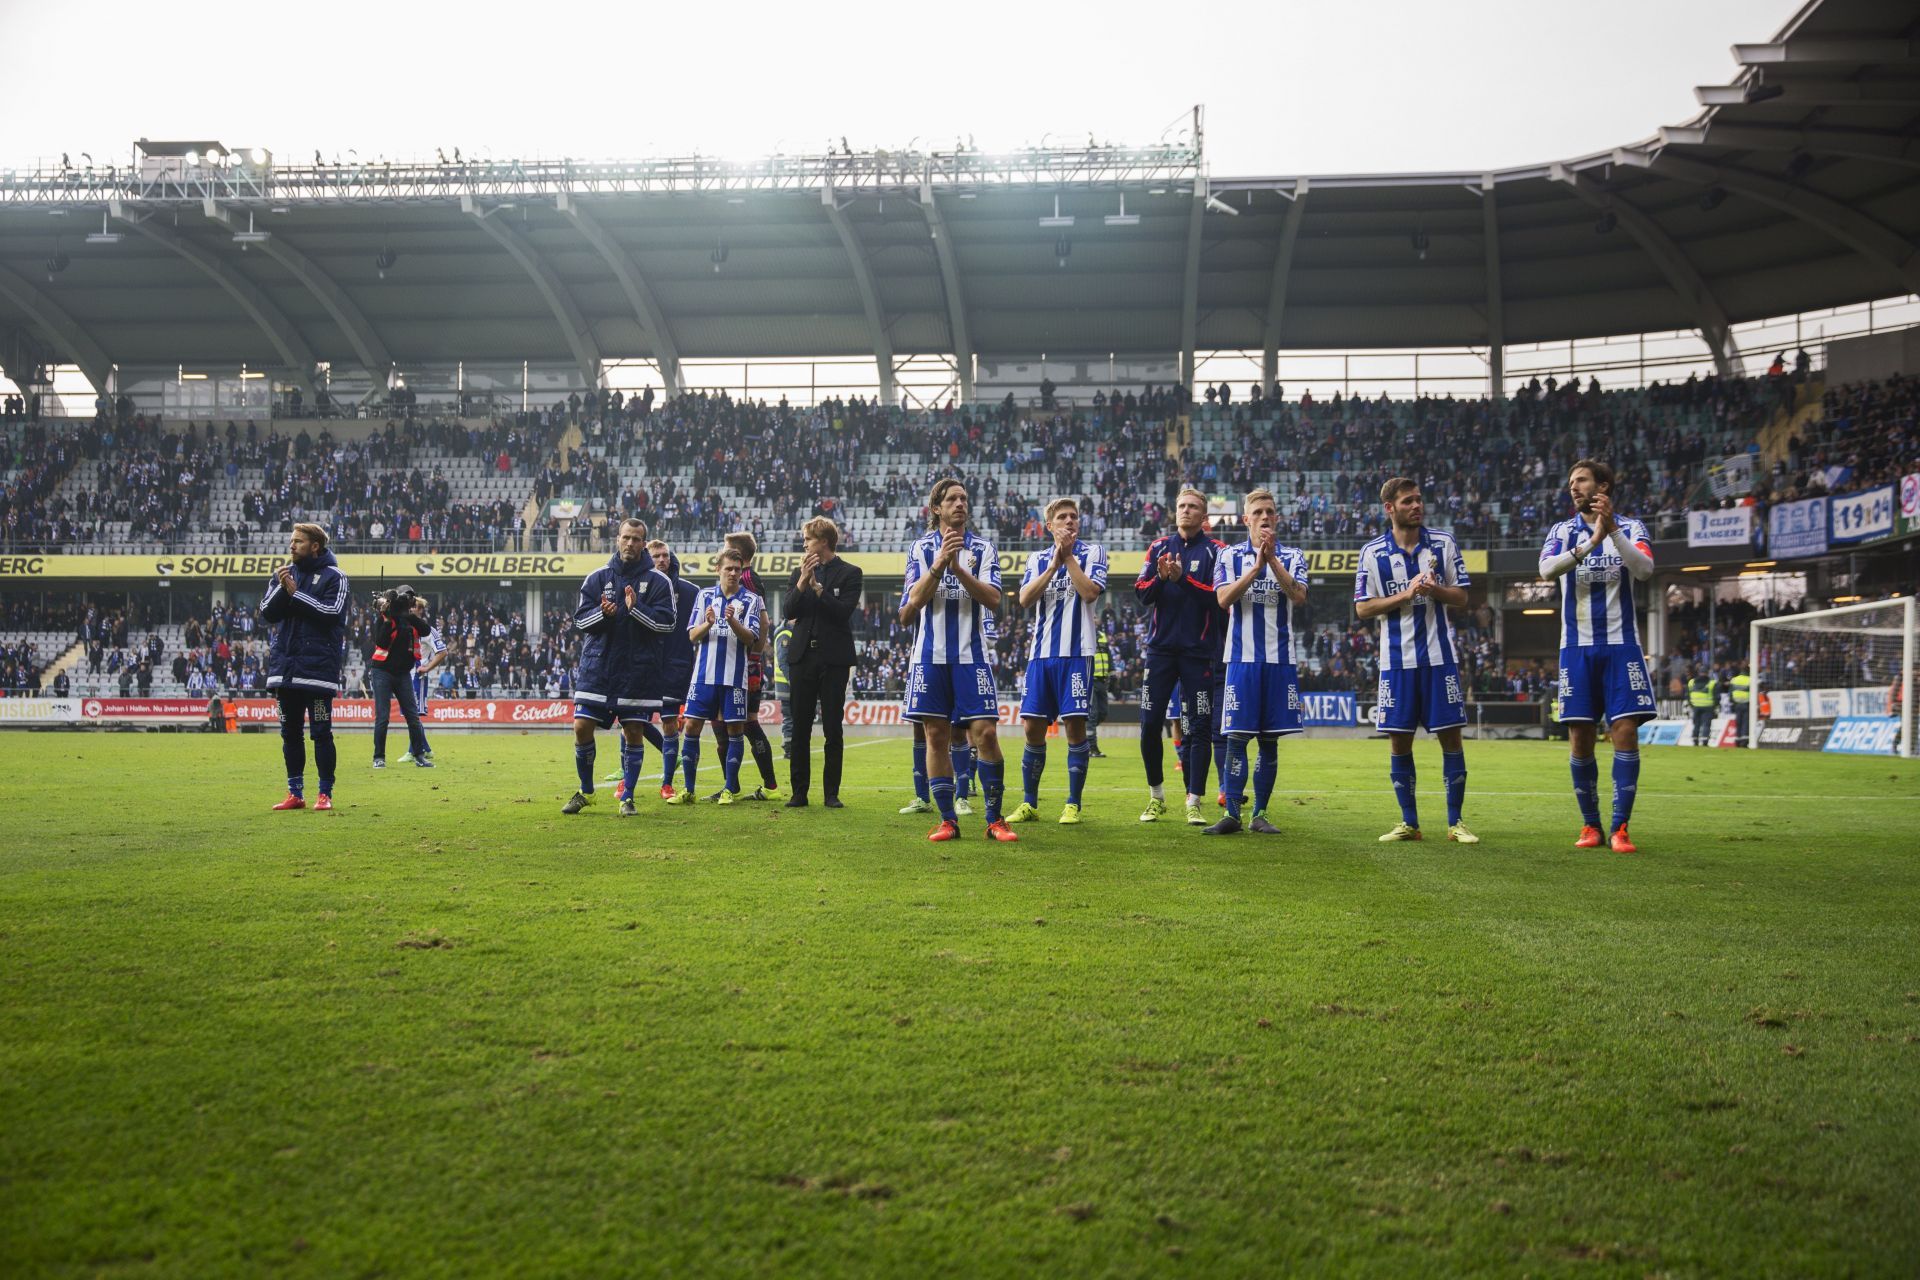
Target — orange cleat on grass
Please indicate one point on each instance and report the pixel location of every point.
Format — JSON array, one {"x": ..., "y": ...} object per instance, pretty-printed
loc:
[
  {"x": 1590, "y": 838},
  {"x": 1622, "y": 843}
]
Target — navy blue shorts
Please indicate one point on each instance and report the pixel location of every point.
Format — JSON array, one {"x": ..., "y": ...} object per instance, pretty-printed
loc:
[
  {"x": 1169, "y": 676},
  {"x": 1604, "y": 682},
  {"x": 1057, "y": 689},
  {"x": 953, "y": 691},
  {"x": 726, "y": 703},
  {"x": 1262, "y": 698},
  {"x": 604, "y": 711},
  {"x": 1429, "y": 698}
]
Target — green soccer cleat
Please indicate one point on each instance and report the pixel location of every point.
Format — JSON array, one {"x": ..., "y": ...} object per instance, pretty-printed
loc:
[
  {"x": 1459, "y": 834},
  {"x": 1070, "y": 815},
  {"x": 767, "y": 793},
  {"x": 1025, "y": 813},
  {"x": 681, "y": 797},
  {"x": 581, "y": 799},
  {"x": 962, "y": 807},
  {"x": 916, "y": 805},
  {"x": 1401, "y": 831},
  {"x": 1155, "y": 810},
  {"x": 727, "y": 797},
  {"x": 1195, "y": 817}
]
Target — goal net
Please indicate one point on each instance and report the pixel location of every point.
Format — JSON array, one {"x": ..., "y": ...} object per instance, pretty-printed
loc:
[{"x": 1836, "y": 680}]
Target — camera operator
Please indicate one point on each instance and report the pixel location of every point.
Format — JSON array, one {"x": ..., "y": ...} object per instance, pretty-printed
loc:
[{"x": 397, "y": 633}]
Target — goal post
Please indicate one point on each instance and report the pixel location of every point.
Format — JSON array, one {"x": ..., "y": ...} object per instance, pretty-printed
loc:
[{"x": 1838, "y": 679}]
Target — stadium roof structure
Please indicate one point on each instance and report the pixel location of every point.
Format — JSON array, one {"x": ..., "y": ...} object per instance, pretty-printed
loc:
[{"x": 1797, "y": 187}]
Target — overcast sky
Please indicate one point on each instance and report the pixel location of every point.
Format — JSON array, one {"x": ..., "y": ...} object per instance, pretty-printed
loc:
[{"x": 1290, "y": 87}]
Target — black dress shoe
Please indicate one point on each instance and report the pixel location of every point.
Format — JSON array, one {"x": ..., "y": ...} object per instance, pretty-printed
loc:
[
  {"x": 833, "y": 802},
  {"x": 796, "y": 802}
]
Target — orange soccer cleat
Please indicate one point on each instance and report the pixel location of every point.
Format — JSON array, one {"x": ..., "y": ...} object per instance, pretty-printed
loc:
[
  {"x": 620, "y": 789},
  {"x": 999, "y": 830},
  {"x": 666, "y": 791},
  {"x": 324, "y": 804},
  {"x": 945, "y": 831},
  {"x": 1589, "y": 838},
  {"x": 291, "y": 802},
  {"x": 1622, "y": 843},
  {"x": 1220, "y": 800}
]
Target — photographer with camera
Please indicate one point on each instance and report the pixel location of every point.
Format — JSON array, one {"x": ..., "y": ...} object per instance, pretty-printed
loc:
[{"x": 397, "y": 634}]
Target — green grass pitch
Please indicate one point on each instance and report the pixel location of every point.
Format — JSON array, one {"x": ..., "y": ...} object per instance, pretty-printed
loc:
[{"x": 447, "y": 1031}]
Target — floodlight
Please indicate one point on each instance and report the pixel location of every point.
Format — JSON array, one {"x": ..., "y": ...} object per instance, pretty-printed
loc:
[
  {"x": 250, "y": 236},
  {"x": 258, "y": 155},
  {"x": 1058, "y": 219},
  {"x": 1123, "y": 218},
  {"x": 103, "y": 236},
  {"x": 193, "y": 157}
]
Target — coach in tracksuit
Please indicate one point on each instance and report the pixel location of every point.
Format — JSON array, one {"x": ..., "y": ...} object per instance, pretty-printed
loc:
[
  {"x": 305, "y": 609},
  {"x": 1176, "y": 582},
  {"x": 624, "y": 610}
]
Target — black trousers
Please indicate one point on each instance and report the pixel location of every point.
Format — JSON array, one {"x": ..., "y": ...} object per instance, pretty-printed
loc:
[{"x": 822, "y": 689}]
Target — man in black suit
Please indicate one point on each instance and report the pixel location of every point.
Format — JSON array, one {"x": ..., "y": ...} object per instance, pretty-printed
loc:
[{"x": 819, "y": 604}]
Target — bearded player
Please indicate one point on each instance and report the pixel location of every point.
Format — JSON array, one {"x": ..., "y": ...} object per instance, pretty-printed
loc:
[
  {"x": 1596, "y": 556},
  {"x": 952, "y": 584},
  {"x": 1408, "y": 578}
]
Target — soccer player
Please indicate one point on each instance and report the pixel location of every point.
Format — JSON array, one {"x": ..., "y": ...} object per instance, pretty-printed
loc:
[
  {"x": 727, "y": 623},
  {"x": 433, "y": 653},
  {"x": 306, "y": 607},
  {"x": 624, "y": 607},
  {"x": 1061, "y": 584},
  {"x": 1595, "y": 555},
  {"x": 676, "y": 666},
  {"x": 1183, "y": 650},
  {"x": 755, "y": 733},
  {"x": 1258, "y": 582},
  {"x": 965, "y": 764},
  {"x": 952, "y": 583},
  {"x": 1408, "y": 578}
]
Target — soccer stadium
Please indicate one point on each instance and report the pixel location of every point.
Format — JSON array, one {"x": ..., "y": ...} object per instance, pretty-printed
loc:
[{"x": 1331, "y": 723}]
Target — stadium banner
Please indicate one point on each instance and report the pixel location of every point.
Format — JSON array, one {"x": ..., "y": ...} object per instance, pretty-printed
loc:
[
  {"x": 1788, "y": 704},
  {"x": 476, "y": 713},
  {"x": 1729, "y": 528},
  {"x": 1731, "y": 476},
  {"x": 143, "y": 711},
  {"x": 29, "y": 711},
  {"x": 1863, "y": 735},
  {"x": 424, "y": 567},
  {"x": 1798, "y": 529},
  {"x": 1829, "y": 704},
  {"x": 1336, "y": 709},
  {"x": 1679, "y": 733},
  {"x": 1909, "y": 505},
  {"x": 1860, "y": 516}
]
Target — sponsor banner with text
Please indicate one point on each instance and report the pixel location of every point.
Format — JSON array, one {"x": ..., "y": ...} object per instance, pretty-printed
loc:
[
  {"x": 1864, "y": 735},
  {"x": 422, "y": 569},
  {"x": 39, "y": 710},
  {"x": 1732, "y": 527},
  {"x": 1861, "y": 517}
]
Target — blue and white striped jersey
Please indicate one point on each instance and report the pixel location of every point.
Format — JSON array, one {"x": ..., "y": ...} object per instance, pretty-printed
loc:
[
  {"x": 1418, "y": 633},
  {"x": 434, "y": 643},
  {"x": 952, "y": 628},
  {"x": 1260, "y": 623},
  {"x": 1064, "y": 624},
  {"x": 721, "y": 658},
  {"x": 1596, "y": 595}
]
